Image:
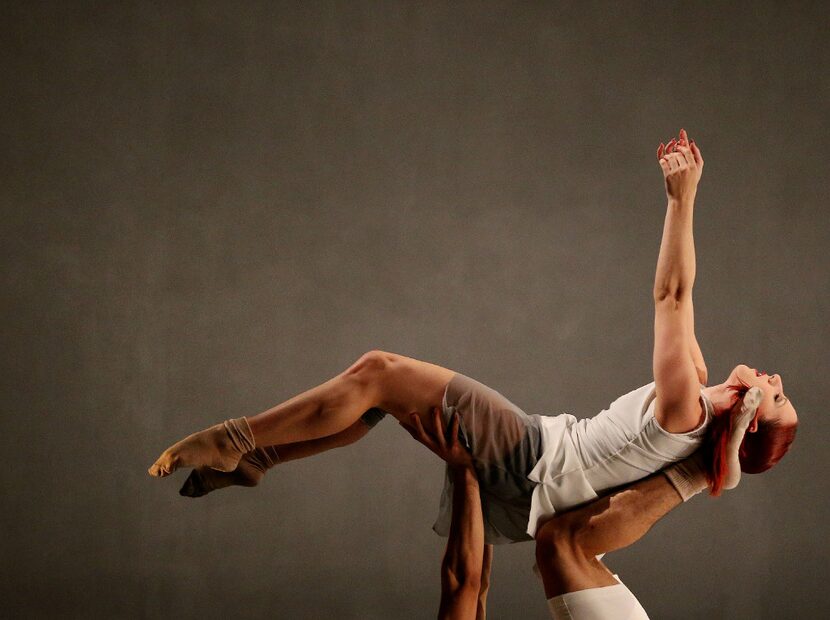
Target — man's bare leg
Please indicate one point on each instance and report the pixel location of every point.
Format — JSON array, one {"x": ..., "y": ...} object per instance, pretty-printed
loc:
[{"x": 394, "y": 383}]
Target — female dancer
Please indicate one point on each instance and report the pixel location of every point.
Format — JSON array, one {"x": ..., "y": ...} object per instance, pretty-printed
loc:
[
  {"x": 531, "y": 466},
  {"x": 577, "y": 583}
]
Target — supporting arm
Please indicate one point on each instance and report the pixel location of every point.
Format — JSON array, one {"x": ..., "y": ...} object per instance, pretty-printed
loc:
[
  {"x": 567, "y": 544},
  {"x": 463, "y": 559},
  {"x": 465, "y": 569}
]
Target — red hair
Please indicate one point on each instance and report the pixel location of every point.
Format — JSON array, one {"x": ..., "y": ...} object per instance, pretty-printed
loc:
[
  {"x": 759, "y": 450},
  {"x": 715, "y": 448},
  {"x": 764, "y": 448}
]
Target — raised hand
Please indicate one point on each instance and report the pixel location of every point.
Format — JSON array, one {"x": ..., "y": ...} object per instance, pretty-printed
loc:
[
  {"x": 682, "y": 165},
  {"x": 452, "y": 451}
]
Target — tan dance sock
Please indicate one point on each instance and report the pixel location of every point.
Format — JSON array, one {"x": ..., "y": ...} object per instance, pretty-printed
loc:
[
  {"x": 220, "y": 447},
  {"x": 252, "y": 467},
  {"x": 689, "y": 476}
]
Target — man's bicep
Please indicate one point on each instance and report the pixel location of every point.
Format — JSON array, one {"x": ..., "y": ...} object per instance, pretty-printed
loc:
[{"x": 676, "y": 406}]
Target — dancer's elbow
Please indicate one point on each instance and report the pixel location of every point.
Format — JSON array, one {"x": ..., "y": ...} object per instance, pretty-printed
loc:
[
  {"x": 671, "y": 292},
  {"x": 702, "y": 374},
  {"x": 460, "y": 580}
]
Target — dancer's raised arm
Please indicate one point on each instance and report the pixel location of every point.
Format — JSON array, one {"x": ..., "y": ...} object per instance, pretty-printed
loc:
[{"x": 678, "y": 365}]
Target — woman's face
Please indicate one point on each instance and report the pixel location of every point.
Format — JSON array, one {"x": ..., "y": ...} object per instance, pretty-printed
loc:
[{"x": 775, "y": 405}]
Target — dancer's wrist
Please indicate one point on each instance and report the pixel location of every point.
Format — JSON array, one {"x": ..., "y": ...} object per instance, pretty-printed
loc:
[
  {"x": 464, "y": 472},
  {"x": 686, "y": 201}
]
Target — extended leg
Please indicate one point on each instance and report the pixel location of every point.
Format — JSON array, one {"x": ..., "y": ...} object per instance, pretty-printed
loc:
[{"x": 393, "y": 383}]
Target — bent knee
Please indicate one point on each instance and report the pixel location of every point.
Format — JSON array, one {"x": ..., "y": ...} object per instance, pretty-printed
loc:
[{"x": 370, "y": 363}]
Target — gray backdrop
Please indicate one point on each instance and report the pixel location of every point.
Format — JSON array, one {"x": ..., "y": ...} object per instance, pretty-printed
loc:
[{"x": 209, "y": 207}]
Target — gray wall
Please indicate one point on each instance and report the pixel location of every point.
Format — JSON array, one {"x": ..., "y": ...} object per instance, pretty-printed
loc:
[{"x": 209, "y": 207}]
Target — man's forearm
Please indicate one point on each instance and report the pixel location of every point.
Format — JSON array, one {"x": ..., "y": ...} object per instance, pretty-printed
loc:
[
  {"x": 465, "y": 547},
  {"x": 567, "y": 544},
  {"x": 625, "y": 516},
  {"x": 462, "y": 565},
  {"x": 481, "y": 611},
  {"x": 675, "y": 274}
]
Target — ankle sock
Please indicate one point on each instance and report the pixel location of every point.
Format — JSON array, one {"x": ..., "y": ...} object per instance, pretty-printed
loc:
[
  {"x": 248, "y": 473},
  {"x": 220, "y": 447},
  {"x": 240, "y": 434}
]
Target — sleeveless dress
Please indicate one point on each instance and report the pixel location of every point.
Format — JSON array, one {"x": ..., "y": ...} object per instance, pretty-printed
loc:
[{"x": 531, "y": 466}]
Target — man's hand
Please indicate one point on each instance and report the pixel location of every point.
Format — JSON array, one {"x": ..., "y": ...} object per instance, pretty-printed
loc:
[
  {"x": 682, "y": 166},
  {"x": 453, "y": 452}
]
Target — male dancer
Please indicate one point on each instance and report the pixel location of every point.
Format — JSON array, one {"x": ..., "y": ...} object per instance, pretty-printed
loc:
[{"x": 577, "y": 584}]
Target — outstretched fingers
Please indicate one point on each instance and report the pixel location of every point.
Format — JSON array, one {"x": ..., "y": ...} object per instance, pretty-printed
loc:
[
  {"x": 435, "y": 441},
  {"x": 418, "y": 432},
  {"x": 438, "y": 426},
  {"x": 454, "y": 443}
]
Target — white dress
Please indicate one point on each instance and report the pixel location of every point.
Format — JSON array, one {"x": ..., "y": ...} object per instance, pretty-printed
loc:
[
  {"x": 582, "y": 459},
  {"x": 531, "y": 466}
]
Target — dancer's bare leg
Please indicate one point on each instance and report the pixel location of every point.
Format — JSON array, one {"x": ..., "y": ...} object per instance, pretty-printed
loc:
[{"x": 394, "y": 383}]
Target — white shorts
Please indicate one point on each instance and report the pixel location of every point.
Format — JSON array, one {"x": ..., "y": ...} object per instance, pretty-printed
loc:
[{"x": 615, "y": 602}]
